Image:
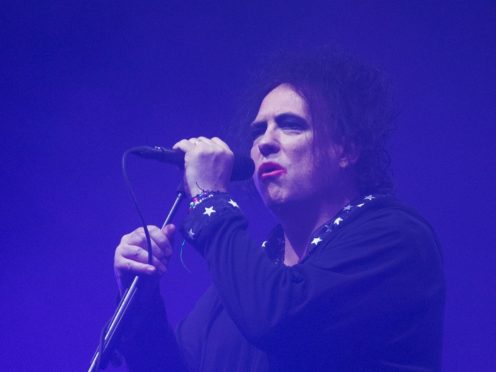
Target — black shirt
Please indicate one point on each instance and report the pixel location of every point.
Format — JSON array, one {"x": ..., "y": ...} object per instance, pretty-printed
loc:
[{"x": 368, "y": 297}]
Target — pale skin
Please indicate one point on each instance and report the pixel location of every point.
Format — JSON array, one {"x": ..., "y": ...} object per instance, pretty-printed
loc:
[
  {"x": 307, "y": 195},
  {"x": 302, "y": 198},
  {"x": 131, "y": 255}
]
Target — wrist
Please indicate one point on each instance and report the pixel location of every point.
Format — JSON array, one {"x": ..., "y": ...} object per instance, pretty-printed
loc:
[
  {"x": 199, "y": 188},
  {"x": 202, "y": 196}
]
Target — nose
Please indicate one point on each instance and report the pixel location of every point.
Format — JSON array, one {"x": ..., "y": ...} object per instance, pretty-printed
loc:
[{"x": 268, "y": 142}]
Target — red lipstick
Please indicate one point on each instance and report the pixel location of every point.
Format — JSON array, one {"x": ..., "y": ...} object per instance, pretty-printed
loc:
[{"x": 270, "y": 170}]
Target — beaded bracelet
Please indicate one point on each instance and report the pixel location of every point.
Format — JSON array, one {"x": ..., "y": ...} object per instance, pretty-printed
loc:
[{"x": 197, "y": 199}]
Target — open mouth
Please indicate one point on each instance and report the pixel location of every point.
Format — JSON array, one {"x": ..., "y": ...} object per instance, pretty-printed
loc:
[{"x": 270, "y": 170}]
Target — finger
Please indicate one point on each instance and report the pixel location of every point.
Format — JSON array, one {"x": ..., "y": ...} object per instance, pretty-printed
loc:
[
  {"x": 130, "y": 266},
  {"x": 214, "y": 143},
  {"x": 137, "y": 238},
  {"x": 159, "y": 241},
  {"x": 162, "y": 241},
  {"x": 221, "y": 143},
  {"x": 169, "y": 231},
  {"x": 202, "y": 144},
  {"x": 184, "y": 145},
  {"x": 205, "y": 141},
  {"x": 161, "y": 247},
  {"x": 138, "y": 254}
]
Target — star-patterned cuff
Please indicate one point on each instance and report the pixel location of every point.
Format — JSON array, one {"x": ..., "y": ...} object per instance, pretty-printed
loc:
[
  {"x": 201, "y": 197},
  {"x": 203, "y": 218}
]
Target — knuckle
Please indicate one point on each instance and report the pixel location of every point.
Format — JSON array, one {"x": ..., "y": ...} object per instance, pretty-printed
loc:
[
  {"x": 125, "y": 238},
  {"x": 117, "y": 257},
  {"x": 119, "y": 248},
  {"x": 137, "y": 235}
]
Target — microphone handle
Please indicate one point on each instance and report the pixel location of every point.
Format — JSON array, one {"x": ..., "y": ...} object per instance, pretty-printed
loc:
[{"x": 243, "y": 167}]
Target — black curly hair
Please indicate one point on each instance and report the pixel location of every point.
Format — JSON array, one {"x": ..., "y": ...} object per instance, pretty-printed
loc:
[{"x": 349, "y": 102}]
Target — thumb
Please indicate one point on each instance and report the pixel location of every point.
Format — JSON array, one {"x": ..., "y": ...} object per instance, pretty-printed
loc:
[{"x": 169, "y": 231}]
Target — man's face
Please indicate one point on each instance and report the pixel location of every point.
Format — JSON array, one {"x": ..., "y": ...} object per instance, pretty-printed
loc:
[{"x": 282, "y": 150}]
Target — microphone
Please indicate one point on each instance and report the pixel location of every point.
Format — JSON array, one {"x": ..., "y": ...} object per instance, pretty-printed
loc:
[{"x": 243, "y": 166}]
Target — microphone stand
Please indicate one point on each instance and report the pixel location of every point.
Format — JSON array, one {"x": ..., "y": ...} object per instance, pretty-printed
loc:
[{"x": 112, "y": 331}]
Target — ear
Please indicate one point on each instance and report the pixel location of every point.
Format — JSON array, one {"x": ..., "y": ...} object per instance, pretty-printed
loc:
[{"x": 349, "y": 156}]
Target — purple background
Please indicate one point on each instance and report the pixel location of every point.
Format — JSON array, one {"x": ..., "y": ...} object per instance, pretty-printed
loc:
[{"x": 81, "y": 81}]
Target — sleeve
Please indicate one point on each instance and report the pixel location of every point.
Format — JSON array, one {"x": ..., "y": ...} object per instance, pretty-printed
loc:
[
  {"x": 149, "y": 343},
  {"x": 192, "y": 331},
  {"x": 377, "y": 269}
]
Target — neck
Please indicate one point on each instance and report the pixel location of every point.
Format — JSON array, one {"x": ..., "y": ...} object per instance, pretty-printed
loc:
[{"x": 301, "y": 218}]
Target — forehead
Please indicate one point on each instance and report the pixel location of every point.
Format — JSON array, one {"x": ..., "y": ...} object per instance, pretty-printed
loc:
[{"x": 282, "y": 99}]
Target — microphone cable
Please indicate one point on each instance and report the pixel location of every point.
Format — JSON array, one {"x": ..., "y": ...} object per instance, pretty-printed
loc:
[{"x": 130, "y": 189}]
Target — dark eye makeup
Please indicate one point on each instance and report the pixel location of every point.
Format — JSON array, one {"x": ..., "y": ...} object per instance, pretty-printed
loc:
[
  {"x": 257, "y": 129},
  {"x": 291, "y": 121},
  {"x": 285, "y": 121}
]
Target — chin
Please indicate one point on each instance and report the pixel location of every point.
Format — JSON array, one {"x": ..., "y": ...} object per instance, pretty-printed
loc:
[{"x": 275, "y": 200}]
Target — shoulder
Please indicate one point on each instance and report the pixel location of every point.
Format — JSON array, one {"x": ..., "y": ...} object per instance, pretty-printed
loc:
[
  {"x": 387, "y": 216},
  {"x": 384, "y": 233}
]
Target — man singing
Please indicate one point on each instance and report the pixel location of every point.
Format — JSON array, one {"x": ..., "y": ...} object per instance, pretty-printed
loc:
[{"x": 349, "y": 280}]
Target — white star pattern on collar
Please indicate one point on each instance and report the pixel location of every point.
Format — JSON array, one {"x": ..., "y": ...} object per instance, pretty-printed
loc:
[
  {"x": 338, "y": 220},
  {"x": 191, "y": 234},
  {"x": 347, "y": 208},
  {"x": 316, "y": 240},
  {"x": 369, "y": 197},
  {"x": 233, "y": 203},
  {"x": 360, "y": 205},
  {"x": 264, "y": 244},
  {"x": 209, "y": 211}
]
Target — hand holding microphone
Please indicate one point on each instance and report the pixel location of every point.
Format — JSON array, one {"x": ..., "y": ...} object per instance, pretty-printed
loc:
[{"x": 209, "y": 163}]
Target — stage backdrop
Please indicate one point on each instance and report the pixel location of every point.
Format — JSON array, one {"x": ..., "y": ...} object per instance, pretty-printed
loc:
[{"x": 81, "y": 81}]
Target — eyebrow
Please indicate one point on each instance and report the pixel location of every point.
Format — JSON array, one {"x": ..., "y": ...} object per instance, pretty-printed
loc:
[{"x": 281, "y": 117}]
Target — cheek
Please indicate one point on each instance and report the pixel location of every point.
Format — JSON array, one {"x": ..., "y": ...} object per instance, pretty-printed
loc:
[
  {"x": 303, "y": 154},
  {"x": 253, "y": 152}
]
